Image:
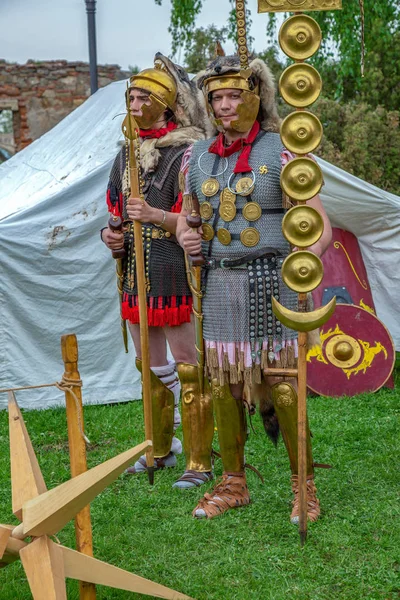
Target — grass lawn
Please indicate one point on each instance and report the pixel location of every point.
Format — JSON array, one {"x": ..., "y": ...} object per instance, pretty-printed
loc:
[{"x": 253, "y": 553}]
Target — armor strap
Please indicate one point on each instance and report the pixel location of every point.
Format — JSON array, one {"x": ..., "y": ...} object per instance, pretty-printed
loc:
[
  {"x": 197, "y": 419},
  {"x": 231, "y": 263},
  {"x": 231, "y": 424},
  {"x": 162, "y": 399},
  {"x": 284, "y": 397}
]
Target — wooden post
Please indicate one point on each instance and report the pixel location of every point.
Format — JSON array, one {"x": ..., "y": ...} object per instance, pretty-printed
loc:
[
  {"x": 77, "y": 452},
  {"x": 302, "y": 434}
]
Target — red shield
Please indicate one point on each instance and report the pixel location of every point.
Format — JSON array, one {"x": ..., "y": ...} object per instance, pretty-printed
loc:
[{"x": 356, "y": 354}]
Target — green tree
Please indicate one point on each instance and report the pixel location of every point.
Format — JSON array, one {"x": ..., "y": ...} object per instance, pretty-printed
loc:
[{"x": 202, "y": 47}]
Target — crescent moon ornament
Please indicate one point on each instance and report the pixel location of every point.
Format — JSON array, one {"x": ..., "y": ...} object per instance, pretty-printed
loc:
[{"x": 300, "y": 321}]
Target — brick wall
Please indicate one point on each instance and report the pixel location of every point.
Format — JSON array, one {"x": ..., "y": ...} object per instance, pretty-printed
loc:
[{"x": 41, "y": 93}]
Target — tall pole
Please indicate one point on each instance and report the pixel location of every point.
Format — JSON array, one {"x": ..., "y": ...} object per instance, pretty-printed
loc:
[{"x": 91, "y": 16}]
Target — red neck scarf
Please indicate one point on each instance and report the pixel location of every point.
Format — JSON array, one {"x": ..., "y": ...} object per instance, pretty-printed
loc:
[
  {"x": 243, "y": 144},
  {"x": 157, "y": 133}
]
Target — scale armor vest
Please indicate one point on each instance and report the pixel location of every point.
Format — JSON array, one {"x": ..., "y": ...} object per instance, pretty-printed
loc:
[
  {"x": 165, "y": 258},
  {"x": 233, "y": 301}
]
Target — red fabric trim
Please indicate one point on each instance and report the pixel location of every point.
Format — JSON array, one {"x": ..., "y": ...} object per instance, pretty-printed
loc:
[
  {"x": 157, "y": 133},
  {"x": 158, "y": 316},
  {"x": 243, "y": 144},
  {"x": 114, "y": 210},
  {"x": 177, "y": 207}
]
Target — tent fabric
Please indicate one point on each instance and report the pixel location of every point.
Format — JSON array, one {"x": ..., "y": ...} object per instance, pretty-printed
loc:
[{"x": 57, "y": 277}]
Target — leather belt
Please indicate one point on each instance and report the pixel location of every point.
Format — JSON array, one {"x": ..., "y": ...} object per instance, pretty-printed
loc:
[{"x": 234, "y": 263}]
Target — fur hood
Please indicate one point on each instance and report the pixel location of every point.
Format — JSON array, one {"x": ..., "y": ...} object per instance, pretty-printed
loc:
[
  {"x": 190, "y": 114},
  {"x": 149, "y": 154},
  {"x": 270, "y": 120}
]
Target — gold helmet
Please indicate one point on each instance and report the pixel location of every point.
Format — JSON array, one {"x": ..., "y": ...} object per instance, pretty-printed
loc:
[
  {"x": 258, "y": 91},
  {"x": 162, "y": 91}
]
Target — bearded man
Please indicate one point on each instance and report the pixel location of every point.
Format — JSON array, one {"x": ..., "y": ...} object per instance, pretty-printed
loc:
[
  {"x": 236, "y": 179},
  {"x": 171, "y": 115}
]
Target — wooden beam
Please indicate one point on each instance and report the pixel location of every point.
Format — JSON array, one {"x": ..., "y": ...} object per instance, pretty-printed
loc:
[
  {"x": 26, "y": 477},
  {"x": 77, "y": 449},
  {"x": 44, "y": 567},
  {"x": 79, "y": 566},
  {"x": 5, "y": 533},
  {"x": 48, "y": 513}
]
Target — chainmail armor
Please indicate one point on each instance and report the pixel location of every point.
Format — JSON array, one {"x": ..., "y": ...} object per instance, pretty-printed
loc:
[{"x": 227, "y": 301}]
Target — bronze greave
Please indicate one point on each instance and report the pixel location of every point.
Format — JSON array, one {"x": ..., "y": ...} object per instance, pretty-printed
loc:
[
  {"x": 284, "y": 397},
  {"x": 197, "y": 419},
  {"x": 231, "y": 424},
  {"x": 162, "y": 400}
]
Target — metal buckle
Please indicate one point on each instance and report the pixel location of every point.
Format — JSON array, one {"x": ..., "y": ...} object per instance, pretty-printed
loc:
[{"x": 222, "y": 263}]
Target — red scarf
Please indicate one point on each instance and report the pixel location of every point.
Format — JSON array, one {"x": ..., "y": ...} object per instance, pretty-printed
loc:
[
  {"x": 243, "y": 144},
  {"x": 157, "y": 133}
]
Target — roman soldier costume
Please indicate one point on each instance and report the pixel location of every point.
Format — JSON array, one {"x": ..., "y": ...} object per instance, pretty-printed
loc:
[
  {"x": 241, "y": 205},
  {"x": 169, "y": 301}
]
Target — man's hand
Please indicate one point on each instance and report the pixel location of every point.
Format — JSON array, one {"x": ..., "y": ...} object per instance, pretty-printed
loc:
[
  {"x": 114, "y": 240},
  {"x": 139, "y": 210},
  {"x": 191, "y": 241}
]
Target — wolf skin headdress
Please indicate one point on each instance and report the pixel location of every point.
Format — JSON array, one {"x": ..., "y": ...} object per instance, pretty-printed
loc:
[
  {"x": 257, "y": 80},
  {"x": 189, "y": 111}
]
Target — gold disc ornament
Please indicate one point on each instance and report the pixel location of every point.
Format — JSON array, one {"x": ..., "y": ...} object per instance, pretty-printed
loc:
[
  {"x": 302, "y": 226},
  {"x": 227, "y": 210},
  {"x": 245, "y": 186},
  {"x": 301, "y": 179},
  {"x": 224, "y": 236},
  {"x": 210, "y": 187},
  {"x": 302, "y": 271},
  {"x": 208, "y": 232},
  {"x": 300, "y": 85},
  {"x": 226, "y": 194},
  {"x": 252, "y": 211},
  {"x": 249, "y": 237},
  {"x": 301, "y": 132},
  {"x": 206, "y": 210},
  {"x": 300, "y": 37}
]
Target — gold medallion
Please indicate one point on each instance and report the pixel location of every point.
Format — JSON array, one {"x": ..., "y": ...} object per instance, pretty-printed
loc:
[
  {"x": 227, "y": 210},
  {"x": 226, "y": 194},
  {"x": 252, "y": 211},
  {"x": 245, "y": 186},
  {"x": 206, "y": 210},
  {"x": 224, "y": 236},
  {"x": 208, "y": 232},
  {"x": 210, "y": 187},
  {"x": 249, "y": 237}
]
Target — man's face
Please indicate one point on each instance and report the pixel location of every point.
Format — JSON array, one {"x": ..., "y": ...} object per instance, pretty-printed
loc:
[
  {"x": 137, "y": 98},
  {"x": 224, "y": 104}
]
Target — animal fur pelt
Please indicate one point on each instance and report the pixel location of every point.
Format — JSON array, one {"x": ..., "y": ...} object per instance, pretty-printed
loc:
[
  {"x": 190, "y": 115},
  {"x": 270, "y": 120}
]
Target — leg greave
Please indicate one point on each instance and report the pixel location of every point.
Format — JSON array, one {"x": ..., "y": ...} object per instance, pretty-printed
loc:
[
  {"x": 197, "y": 419},
  {"x": 231, "y": 424}
]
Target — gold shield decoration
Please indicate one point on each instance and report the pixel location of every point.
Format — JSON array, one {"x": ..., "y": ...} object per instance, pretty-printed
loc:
[
  {"x": 302, "y": 271},
  {"x": 300, "y": 37},
  {"x": 302, "y": 226},
  {"x": 301, "y": 179},
  {"x": 301, "y": 132},
  {"x": 297, "y": 5},
  {"x": 300, "y": 85}
]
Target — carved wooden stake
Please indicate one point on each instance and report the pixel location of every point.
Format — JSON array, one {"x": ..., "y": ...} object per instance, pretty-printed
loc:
[{"x": 77, "y": 451}]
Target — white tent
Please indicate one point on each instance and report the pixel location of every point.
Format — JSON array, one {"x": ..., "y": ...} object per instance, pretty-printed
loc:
[{"x": 57, "y": 277}]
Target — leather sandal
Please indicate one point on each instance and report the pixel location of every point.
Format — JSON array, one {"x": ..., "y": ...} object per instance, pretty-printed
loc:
[
  {"x": 140, "y": 465},
  {"x": 231, "y": 491},
  {"x": 191, "y": 479},
  {"x": 313, "y": 508}
]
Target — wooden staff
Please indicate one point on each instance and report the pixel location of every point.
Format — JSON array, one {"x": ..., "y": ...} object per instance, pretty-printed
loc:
[
  {"x": 131, "y": 131},
  {"x": 195, "y": 263},
  {"x": 77, "y": 450},
  {"x": 302, "y": 427}
]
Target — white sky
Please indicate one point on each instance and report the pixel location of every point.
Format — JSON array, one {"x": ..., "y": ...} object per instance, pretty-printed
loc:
[{"x": 129, "y": 32}]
